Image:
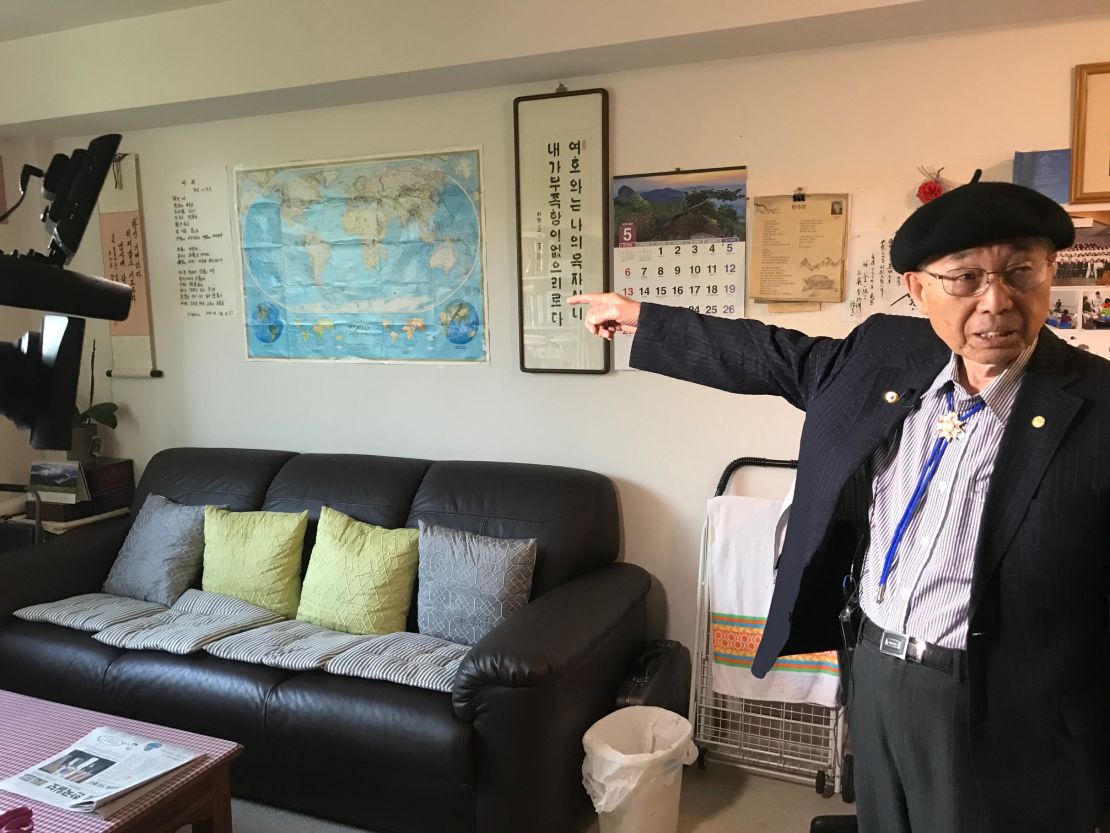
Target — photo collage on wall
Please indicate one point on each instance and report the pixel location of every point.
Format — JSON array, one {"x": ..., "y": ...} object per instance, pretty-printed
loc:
[{"x": 1079, "y": 308}]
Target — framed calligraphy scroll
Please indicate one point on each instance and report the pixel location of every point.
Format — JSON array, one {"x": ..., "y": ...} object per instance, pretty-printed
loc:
[
  {"x": 1090, "y": 138},
  {"x": 123, "y": 248},
  {"x": 562, "y": 212}
]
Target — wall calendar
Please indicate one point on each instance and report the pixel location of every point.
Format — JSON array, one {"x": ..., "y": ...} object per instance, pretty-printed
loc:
[{"x": 680, "y": 241}]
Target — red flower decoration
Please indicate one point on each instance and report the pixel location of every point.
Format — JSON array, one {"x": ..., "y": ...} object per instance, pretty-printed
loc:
[{"x": 930, "y": 189}]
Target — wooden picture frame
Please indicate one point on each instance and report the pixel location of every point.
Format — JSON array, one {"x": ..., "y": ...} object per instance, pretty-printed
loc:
[
  {"x": 562, "y": 217},
  {"x": 1090, "y": 138}
]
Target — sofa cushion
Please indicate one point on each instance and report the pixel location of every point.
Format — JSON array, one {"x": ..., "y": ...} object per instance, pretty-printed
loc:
[
  {"x": 162, "y": 554},
  {"x": 470, "y": 583},
  {"x": 360, "y": 576},
  {"x": 89, "y": 611},
  {"x": 233, "y": 477},
  {"x": 255, "y": 556},
  {"x": 372, "y": 489},
  {"x": 571, "y": 513},
  {"x": 407, "y": 730},
  {"x": 412, "y": 659},
  {"x": 198, "y": 692},
  {"x": 296, "y": 646},
  {"x": 197, "y": 619},
  {"x": 54, "y": 663}
]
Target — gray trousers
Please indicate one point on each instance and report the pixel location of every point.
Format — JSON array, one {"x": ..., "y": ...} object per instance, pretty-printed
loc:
[{"x": 909, "y": 729}]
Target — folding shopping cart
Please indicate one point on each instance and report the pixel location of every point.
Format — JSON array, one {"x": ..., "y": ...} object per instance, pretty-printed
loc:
[{"x": 795, "y": 742}]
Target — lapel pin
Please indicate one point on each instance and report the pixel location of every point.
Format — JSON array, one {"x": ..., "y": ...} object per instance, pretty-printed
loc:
[
  {"x": 891, "y": 397},
  {"x": 1038, "y": 422}
]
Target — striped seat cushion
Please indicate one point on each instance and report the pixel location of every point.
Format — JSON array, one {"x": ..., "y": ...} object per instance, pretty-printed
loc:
[
  {"x": 414, "y": 659},
  {"x": 89, "y": 612},
  {"x": 195, "y": 620},
  {"x": 296, "y": 646}
]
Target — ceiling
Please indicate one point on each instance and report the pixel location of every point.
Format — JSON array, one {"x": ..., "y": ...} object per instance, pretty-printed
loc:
[
  {"x": 26, "y": 18},
  {"x": 723, "y": 29}
]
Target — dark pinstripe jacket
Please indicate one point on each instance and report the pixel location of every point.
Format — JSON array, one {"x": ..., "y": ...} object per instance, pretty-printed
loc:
[{"x": 1039, "y": 643}]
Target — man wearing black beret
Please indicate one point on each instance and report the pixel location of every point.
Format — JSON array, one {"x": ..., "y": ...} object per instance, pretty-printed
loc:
[{"x": 954, "y": 476}]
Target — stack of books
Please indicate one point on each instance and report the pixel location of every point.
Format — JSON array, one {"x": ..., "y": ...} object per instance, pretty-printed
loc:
[{"x": 71, "y": 490}]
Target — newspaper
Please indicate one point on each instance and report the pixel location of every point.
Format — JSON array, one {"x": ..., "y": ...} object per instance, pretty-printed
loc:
[{"x": 99, "y": 773}]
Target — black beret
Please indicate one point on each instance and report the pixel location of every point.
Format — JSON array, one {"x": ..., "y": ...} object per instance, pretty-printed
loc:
[{"x": 978, "y": 214}]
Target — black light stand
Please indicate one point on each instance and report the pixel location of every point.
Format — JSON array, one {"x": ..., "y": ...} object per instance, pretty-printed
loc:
[{"x": 19, "y": 488}]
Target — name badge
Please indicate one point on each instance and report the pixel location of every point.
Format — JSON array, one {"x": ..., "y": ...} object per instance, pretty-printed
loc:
[{"x": 894, "y": 644}]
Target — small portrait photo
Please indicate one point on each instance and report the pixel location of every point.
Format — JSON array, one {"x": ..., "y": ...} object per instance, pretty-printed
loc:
[
  {"x": 1063, "y": 309},
  {"x": 1096, "y": 309},
  {"x": 837, "y": 207}
]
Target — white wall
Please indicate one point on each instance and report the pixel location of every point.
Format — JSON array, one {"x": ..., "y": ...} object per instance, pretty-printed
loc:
[{"x": 858, "y": 119}]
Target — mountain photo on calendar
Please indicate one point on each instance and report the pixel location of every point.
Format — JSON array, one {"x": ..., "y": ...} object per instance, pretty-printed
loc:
[{"x": 680, "y": 205}]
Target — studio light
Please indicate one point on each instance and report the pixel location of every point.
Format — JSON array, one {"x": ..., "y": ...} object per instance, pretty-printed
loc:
[{"x": 38, "y": 373}]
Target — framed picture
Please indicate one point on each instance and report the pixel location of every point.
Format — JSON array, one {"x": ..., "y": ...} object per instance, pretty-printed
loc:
[
  {"x": 562, "y": 214},
  {"x": 1090, "y": 138}
]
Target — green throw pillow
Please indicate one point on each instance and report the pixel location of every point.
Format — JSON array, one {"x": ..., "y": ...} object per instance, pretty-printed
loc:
[
  {"x": 360, "y": 577},
  {"x": 255, "y": 556}
]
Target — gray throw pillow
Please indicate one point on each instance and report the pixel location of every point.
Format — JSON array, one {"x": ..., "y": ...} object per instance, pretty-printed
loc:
[
  {"x": 162, "y": 554},
  {"x": 470, "y": 583}
]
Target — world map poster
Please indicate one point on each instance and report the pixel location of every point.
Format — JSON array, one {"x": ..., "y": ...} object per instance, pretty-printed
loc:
[{"x": 372, "y": 259}]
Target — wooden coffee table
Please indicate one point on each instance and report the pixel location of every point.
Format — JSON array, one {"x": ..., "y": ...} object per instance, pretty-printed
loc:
[{"x": 197, "y": 794}]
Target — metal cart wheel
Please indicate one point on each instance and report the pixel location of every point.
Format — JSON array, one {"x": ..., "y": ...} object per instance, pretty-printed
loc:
[
  {"x": 703, "y": 757},
  {"x": 848, "y": 780}
]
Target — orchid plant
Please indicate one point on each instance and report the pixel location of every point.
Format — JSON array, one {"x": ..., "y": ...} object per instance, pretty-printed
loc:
[{"x": 97, "y": 412}]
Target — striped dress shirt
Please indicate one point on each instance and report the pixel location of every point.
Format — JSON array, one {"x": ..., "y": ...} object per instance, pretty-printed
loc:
[{"x": 928, "y": 593}]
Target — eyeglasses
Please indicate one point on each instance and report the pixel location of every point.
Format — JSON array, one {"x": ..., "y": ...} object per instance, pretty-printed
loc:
[{"x": 970, "y": 281}]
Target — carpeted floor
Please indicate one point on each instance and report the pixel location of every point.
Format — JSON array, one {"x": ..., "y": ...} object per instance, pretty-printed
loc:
[{"x": 720, "y": 799}]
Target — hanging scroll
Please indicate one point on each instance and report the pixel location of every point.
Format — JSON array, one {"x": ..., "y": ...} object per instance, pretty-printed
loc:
[
  {"x": 123, "y": 249},
  {"x": 562, "y": 175}
]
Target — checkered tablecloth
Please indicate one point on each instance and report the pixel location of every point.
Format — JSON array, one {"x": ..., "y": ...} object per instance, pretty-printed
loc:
[{"x": 32, "y": 730}]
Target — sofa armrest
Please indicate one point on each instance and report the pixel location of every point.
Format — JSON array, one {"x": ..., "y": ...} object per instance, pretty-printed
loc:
[
  {"x": 533, "y": 686},
  {"x": 550, "y": 636},
  {"x": 74, "y": 563}
]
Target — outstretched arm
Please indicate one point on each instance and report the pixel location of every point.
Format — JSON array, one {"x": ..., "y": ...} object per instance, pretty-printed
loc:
[{"x": 739, "y": 356}]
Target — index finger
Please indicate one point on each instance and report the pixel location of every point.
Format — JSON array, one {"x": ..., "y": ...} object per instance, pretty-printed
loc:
[{"x": 585, "y": 298}]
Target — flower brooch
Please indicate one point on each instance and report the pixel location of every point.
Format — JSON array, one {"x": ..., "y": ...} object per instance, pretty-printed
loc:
[{"x": 950, "y": 426}]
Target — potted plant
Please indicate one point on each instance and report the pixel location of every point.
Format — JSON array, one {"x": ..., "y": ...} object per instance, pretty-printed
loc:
[{"x": 85, "y": 422}]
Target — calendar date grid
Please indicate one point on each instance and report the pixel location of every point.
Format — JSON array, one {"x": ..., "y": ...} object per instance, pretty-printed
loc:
[{"x": 701, "y": 275}]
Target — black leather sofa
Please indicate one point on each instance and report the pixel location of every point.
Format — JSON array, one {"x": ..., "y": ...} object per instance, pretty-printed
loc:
[{"x": 501, "y": 754}]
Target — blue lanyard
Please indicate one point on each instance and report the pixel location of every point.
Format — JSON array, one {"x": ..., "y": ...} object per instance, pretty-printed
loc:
[{"x": 918, "y": 496}]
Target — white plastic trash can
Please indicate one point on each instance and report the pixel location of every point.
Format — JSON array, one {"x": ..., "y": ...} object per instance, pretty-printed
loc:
[{"x": 633, "y": 768}]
